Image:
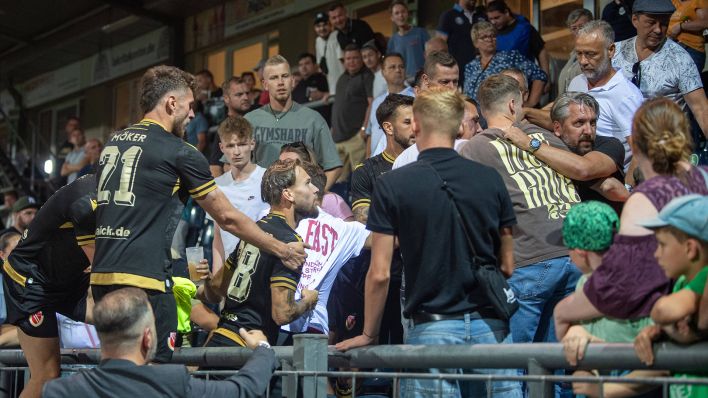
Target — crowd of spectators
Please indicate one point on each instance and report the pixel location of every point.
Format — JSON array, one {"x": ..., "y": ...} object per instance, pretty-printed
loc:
[{"x": 429, "y": 155}]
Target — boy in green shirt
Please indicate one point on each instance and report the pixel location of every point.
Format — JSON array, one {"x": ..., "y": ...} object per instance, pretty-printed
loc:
[{"x": 681, "y": 230}]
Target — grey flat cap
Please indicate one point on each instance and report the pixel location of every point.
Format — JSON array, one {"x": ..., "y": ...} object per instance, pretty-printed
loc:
[{"x": 654, "y": 7}]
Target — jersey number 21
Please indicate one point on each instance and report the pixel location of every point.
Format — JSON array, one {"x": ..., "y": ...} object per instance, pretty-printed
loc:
[{"x": 109, "y": 160}]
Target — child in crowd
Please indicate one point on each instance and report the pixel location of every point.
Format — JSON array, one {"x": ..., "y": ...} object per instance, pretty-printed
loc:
[
  {"x": 588, "y": 230},
  {"x": 681, "y": 231}
]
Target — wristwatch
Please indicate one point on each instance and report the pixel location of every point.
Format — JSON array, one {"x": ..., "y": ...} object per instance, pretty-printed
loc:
[
  {"x": 534, "y": 145},
  {"x": 263, "y": 344}
]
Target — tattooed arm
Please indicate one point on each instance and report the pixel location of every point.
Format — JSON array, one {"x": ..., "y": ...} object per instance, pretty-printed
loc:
[
  {"x": 361, "y": 213},
  {"x": 285, "y": 308}
]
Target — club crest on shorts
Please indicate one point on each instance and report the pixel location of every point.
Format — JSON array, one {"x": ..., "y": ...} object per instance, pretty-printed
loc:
[
  {"x": 171, "y": 340},
  {"x": 350, "y": 322},
  {"x": 36, "y": 319}
]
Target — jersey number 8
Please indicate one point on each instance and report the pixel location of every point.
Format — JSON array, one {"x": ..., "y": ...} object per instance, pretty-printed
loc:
[
  {"x": 248, "y": 257},
  {"x": 109, "y": 159}
]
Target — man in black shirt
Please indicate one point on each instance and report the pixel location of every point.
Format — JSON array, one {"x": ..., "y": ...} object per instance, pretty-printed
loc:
[
  {"x": 47, "y": 273},
  {"x": 455, "y": 26},
  {"x": 442, "y": 299},
  {"x": 351, "y": 31},
  {"x": 145, "y": 173},
  {"x": 313, "y": 86},
  {"x": 618, "y": 13},
  {"x": 394, "y": 115},
  {"x": 594, "y": 163},
  {"x": 259, "y": 290}
]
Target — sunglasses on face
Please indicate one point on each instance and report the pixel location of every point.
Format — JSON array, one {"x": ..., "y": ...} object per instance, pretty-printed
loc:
[{"x": 637, "y": 74}]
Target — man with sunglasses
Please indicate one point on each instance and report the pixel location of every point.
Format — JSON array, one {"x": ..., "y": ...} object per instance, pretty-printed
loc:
[{"x": 661, "y": 67}]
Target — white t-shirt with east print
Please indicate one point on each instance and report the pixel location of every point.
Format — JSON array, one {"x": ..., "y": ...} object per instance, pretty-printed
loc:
[
  {"x": 246, "y": 197},
  {"x": 333, "y": 242},
  {"x": 669, "y": 72}
]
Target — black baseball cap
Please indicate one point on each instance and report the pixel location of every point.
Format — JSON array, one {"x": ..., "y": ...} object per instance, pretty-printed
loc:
[
  {"x": 653, "y": 7},
  {"x": 321, "y": 17}
]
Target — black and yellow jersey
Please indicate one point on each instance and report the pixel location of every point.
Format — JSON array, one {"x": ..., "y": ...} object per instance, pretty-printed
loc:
[
  {"x": 50, "y": 247},
  {"x": 364, "y": 179},
  {"x": 365, "y": 175},
  {"x": 144, "y": 173},
  {"x": 248, "y": 300}
]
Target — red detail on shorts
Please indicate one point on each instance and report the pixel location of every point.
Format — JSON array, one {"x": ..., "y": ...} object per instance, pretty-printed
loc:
[
  {"x": 36, "y": 319},
  {"x": 171, "y": 340},
  {"x": 350, "y": 322}
]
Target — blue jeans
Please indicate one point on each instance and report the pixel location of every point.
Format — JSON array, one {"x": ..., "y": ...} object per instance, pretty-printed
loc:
[
  {"x": 467, "y": 331},
  {"x": 539, "y": 287}
]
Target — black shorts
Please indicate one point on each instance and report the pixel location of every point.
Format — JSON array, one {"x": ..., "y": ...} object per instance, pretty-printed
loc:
[
  {"x": 346, "y": 304},
  {"x": 225, "y": 337},
  {"x": 33, "y": 307},
  {"x": 164, "y": 307}
]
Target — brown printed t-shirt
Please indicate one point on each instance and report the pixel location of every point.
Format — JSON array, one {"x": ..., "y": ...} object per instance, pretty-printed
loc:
[{"x": 541, "y": 197}]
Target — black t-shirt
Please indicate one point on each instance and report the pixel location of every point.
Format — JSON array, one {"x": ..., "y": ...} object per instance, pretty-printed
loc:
[
  {"x": 358, "y": 32},
  {"x": 145, "y": 174},
  {"x": 619, "y": 16},
  {"x": 613, "y": 148},
  {"x": 410, "y": 203},
  {"x": 364, "y": 179},
  {"x": 248, "y": 300},
  {"x": 316, "y": 81},
  {"x": 455, "y": 24},
  {"x": 52, "y": 242}
]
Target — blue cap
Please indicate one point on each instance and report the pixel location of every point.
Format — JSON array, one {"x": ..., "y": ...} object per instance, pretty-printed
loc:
[
  {"x": 653, "y": 7},
  {"x": 687, "y": 213}
]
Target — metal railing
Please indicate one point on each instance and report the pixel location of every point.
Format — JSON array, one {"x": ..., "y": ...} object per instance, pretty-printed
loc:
[{"x": 305, "y": 365}]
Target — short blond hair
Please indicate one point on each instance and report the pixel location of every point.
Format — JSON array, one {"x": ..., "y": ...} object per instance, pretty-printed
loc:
[
  {"x": 439, "y": 110},
  {"x": 275, "y": 61}
]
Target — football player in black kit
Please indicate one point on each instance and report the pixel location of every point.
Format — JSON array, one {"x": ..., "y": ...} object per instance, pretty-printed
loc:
[
  {"x": 48, "y": 273},
  {"x": 259, "y": 290},
  {"x": 144, "y": 174}
]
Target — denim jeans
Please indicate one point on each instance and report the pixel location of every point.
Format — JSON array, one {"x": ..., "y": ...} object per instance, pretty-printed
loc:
[
  {"x": 539, "y": 287},
  {"x": 467, "y": 331}
]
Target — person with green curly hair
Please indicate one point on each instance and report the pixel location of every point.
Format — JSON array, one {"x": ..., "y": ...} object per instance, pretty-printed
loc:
[{"x": 588, "y": 230}]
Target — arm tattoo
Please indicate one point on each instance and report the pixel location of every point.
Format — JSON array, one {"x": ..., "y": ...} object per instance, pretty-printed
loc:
[{"x": 361, "y": 214}]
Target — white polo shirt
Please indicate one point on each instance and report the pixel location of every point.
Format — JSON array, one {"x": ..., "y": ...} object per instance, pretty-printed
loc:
[{"x": 619, "y": 100}]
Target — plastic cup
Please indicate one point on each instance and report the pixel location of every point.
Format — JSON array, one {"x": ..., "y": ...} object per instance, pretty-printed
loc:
[{"x": 194, "y": 256}]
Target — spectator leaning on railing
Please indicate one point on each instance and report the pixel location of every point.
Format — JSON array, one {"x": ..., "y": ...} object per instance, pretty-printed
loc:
[{"x": 126, "y": 327}]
